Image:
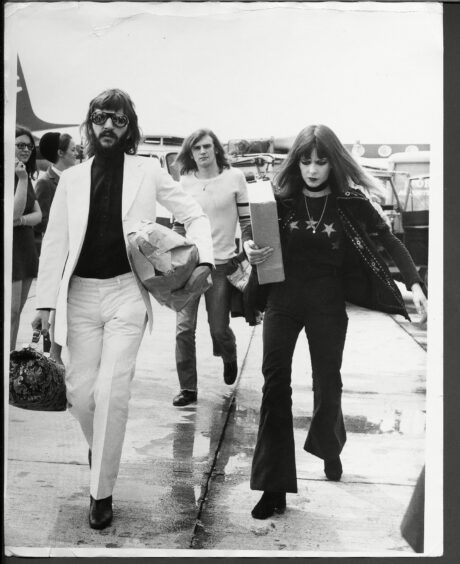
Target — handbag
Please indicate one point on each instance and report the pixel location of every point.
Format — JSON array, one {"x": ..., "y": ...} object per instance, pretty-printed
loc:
[
  {"x": 36, "y": 382},
  {"x": 239, "y": 278}
]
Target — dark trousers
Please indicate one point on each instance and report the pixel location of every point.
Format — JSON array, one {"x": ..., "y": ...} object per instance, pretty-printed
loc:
[
  {"x": 318, "y": 306},
  {"x": 218, "y": 302}
]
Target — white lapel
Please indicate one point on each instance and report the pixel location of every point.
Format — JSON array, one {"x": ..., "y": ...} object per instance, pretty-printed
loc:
[
  {"x": 132, "y": 177},
  {"x": 79, "y": 195}
]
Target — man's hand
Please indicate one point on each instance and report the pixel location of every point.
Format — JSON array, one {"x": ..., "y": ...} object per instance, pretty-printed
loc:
[
  {"x": 41, "y": 321},
  {"x": 255, "y": 254},
  {"x": 198, "y": 279},
  {"x": 420, "y": 302}
]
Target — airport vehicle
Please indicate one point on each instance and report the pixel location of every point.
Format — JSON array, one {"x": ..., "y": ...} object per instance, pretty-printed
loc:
[
  {"x": 162, "y": 147},
  {"x": 407, "y": 207},
  {"x": 165, "y": 148},
  {"x": 255, "y": 157},
  {"x": 26, "y": 116}
]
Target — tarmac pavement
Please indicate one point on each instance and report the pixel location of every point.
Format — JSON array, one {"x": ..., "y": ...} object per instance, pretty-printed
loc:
[{"x": 183, "y": 486}]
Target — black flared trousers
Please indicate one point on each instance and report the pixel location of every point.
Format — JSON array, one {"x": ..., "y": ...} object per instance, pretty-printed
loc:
[{"x": 318, "y": 306}]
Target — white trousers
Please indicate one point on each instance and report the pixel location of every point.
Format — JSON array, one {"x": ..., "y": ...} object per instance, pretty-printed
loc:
[{"x": 106, "y": 322}]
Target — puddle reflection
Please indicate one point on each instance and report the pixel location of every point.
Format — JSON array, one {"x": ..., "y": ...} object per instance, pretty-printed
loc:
[{"x": 218, "y": 438}]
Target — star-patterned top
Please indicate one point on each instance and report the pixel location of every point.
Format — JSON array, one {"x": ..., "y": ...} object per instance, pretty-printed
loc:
[{"x": 311, "y": 246}]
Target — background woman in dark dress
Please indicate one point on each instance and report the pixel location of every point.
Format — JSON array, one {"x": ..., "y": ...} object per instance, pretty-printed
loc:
[
  {"x": 26, "y": 214},
  {"x": 328, "y": 258}
]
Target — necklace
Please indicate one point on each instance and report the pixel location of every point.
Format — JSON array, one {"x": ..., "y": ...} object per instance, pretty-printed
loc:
[
  {"x": 205, "y": 181},
  {"x": 312, "y": 224}
]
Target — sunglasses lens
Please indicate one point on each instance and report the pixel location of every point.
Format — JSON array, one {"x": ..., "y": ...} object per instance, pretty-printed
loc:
[
  {"x": 98, "y": 118},
  {"x": 119, "y": 121},
  {"x": 22, "y": 146}
]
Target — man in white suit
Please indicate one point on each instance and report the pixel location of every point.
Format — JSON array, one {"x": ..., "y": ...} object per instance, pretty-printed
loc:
[{"x": 86, "y": 276}]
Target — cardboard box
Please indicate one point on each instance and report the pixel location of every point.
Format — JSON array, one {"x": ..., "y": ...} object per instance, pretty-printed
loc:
[{"x": 265, "y": 230}]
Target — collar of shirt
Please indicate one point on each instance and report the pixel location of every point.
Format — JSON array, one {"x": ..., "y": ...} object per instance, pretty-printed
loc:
[{"x": 112, "y": 160}]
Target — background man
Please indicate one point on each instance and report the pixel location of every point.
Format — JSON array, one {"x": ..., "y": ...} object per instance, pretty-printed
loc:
[
  {"x": 85, "y": 274},
  {"x": 222, "y": 193}
]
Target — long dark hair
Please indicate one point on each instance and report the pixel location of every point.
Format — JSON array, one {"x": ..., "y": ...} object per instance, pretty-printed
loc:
[
  {"x": 344, "y": 168},
  {"x": 113, "y": 99},
  {"x": 31, "y": 164},
  {"x": 185, "y": 160}
]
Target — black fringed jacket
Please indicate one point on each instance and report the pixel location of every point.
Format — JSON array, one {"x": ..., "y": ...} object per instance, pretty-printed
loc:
[{"x": 366, "y": 278}]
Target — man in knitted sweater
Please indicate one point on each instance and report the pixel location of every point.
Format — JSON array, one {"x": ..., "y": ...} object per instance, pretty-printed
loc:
[{"x": 222, "y": 193}]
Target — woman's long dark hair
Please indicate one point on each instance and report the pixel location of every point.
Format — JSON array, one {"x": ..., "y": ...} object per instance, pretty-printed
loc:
[
  {"x": 344, "y": 168},
  {"x": 113, "y": 100},
  {"x": 185, "y": 159},
  {"x": 31, "y": 164}
]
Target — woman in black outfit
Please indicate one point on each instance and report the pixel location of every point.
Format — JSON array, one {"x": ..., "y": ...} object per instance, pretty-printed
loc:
[
  {"x": 26, "y": 214},
  {"x": 329, "y": 257}
]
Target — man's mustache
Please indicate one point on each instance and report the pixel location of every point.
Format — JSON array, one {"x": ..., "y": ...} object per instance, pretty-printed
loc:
[{"x": 108, "y": 134}]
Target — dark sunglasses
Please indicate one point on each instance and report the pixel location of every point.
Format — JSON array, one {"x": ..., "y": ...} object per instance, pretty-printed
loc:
[
  {"x": 22, "y": 146},
  {"x": 99, "y": 118}
]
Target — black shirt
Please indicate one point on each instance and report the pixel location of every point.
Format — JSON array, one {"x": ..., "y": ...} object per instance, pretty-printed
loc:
[
  {"x": 310, "y": 248},
  {"x": 103, "y": 254}
]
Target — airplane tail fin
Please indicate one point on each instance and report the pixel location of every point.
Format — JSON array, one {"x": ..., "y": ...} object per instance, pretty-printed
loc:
[{"x": 25, "y": 114}]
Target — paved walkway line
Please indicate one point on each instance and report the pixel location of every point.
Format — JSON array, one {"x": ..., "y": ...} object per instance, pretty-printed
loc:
[{"x": 230, "y": 406}]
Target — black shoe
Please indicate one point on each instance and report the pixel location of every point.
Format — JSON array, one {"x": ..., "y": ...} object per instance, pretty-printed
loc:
[
  {"x": 89, "y": 458},
  {"x": 184, "y": 397},
  {"x": 333, "y": 469},
  {"x": 230, "y": 372},
  {"x": 268, "y": 504},
  {"x": 100, "y": 512}
]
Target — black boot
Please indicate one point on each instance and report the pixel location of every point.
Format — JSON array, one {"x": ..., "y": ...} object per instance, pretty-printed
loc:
[
  {"x": 89, "y": 458},
  {"x": 333, "y": 469},
  {"x": 230, "y": 372},
  {"x": 100, "y": 512},
  {"x": 268, "y": 504}
]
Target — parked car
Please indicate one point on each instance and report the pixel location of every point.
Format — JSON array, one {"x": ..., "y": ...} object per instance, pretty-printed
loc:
[
  {"x": 407, "y": 208},
  {"x": 165, "y": 148}
]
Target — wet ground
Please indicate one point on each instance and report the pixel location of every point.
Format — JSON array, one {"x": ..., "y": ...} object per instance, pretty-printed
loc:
[{"x": 184, "y": 476}]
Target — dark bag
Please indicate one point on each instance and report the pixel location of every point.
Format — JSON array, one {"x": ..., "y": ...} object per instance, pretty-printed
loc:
[
  {"x": 241, "y": 270},
  {"x": 251, "y": 302},
  {"x": 36, "y": 382}
]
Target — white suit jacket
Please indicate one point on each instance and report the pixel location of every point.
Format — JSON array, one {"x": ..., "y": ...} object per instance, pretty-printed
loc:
[{"x": 144, "y": 182}]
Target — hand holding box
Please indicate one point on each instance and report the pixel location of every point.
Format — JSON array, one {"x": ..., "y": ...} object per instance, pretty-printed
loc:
[{"x": 265, "y": 230}]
